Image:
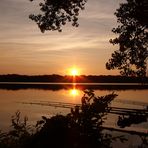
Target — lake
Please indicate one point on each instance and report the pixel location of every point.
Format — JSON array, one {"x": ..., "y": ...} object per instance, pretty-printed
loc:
[{"x": 15, "y": 96}]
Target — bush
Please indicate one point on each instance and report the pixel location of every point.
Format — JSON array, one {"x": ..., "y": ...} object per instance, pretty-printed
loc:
[{"x": 81, "y": 128}]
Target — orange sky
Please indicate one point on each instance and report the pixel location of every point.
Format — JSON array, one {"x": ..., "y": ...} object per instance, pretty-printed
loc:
[{"x": 25, "y": 50}]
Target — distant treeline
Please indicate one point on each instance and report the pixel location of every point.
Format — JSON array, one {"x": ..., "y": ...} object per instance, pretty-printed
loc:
[{"x": 69, "y": 79}]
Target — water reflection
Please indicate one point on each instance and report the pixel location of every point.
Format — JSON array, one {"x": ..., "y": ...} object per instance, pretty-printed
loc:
[
  {"x": 74, "y": 92},
  {"x": 67, "y": 86},
  {"x": 11, "y": 94}
]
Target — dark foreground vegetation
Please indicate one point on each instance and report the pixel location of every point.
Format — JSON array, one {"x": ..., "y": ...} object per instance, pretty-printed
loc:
[
  {"x": 81, "y": 128},
  {"x": 70, "y": 79}
]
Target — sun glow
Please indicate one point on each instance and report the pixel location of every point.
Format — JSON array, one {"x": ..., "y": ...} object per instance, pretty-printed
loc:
[{"x": 74, "y": 71}]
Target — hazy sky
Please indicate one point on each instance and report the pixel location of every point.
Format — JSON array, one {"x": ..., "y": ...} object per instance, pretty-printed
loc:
[{"x": 25, "y": 50}]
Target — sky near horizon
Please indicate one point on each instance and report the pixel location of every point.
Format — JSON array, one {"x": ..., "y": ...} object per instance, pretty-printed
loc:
[{"x": 25, "y": 50}]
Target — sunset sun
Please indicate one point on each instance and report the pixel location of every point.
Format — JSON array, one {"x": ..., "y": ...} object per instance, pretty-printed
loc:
[{"x": 74, "y": 71}]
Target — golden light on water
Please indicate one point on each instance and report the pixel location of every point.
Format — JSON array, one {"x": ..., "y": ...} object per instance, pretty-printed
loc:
[{"x": 74, "y": 92}]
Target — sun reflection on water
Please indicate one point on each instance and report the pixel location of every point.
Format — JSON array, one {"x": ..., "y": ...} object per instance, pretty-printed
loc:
[{"x": 74, "y": 92}]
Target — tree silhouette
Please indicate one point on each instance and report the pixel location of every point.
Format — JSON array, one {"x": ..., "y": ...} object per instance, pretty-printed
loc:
[
  {"x": 80, "y": 128},
  {"x": 56, "y": 13},
  {"x": 131, "y": 57},
  {"x": 142, "y": 12}
]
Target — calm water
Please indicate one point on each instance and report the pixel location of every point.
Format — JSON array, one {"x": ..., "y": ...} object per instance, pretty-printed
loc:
[{"x": 13, "y": 95}]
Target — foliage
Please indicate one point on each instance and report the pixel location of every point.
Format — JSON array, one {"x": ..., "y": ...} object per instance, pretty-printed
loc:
[
  {"x": 18, "y": 135},
  {"x": 131, "y": 57},
  {"x": 128, "y": 120},
  {"x": 82, "y": 127},
  {"x": 56, "y": 13},
  {"x": 142, "y": 12}
]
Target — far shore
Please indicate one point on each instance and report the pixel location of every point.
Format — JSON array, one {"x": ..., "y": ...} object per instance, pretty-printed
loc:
[
  {"x": 81, "y": 86},
  {"x": 54, "y": 78}
]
